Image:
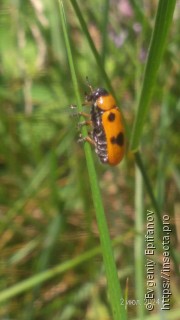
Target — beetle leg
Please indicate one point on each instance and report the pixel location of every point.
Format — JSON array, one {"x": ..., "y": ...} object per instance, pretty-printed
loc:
[
  {"x": 88, "y": 139},
  {"x": 84, "y": 123},
  {"x": 86, "y": 102},
  {"x": 84, "y": 114},
  {"x": 81, "y": 113}
]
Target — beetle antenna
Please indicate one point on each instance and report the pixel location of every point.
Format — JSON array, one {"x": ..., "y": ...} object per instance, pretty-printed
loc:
[{"x": 89, "y": 85}]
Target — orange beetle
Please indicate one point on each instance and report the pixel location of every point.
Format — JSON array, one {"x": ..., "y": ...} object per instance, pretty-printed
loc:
[{"x": 108, "y": 130}]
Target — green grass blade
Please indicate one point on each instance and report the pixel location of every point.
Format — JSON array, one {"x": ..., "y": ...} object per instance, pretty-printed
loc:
[
  {"x": 159, "y": 37},
  {"x": 139, "y": 243},
  {"x": 115, "y": 294},
  {"x": 138, "y": 158},
  {"x": 59, "y": 269},
  {"x": 104, "y": 28},
  {"x": 92, "y": 46},
  {"x": 154, "y": 202}
]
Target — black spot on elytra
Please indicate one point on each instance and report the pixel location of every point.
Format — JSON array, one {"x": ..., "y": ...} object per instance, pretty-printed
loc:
[
  {"x": 113, "y": 140},
  {"x": 111, "y": 117},
  {"x": 119, "y": 139}
]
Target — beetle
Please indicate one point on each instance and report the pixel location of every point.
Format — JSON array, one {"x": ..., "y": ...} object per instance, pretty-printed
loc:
[{"x": 107, "y": 126}]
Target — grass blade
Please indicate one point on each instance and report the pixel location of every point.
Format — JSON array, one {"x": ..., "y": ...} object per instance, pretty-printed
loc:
[
  {"x": 139, "y": 243},
  {"x": 138, "y": 157},
  {"x": 157, "y": 45},
  {"x": 115, "y": 294},
  {"x": 38, "y": 279}
]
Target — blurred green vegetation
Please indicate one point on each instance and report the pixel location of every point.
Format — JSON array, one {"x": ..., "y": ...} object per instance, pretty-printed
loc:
[{"x": 46, "y": 211}]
